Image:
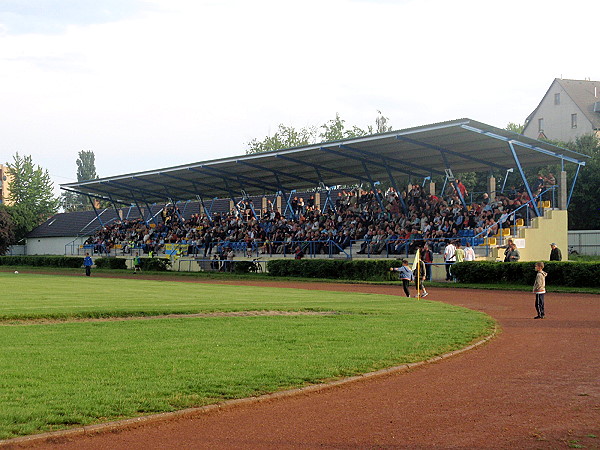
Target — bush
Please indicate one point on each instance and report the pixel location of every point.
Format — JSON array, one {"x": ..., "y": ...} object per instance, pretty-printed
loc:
[
  {"x": 243, "y": 266},
  {"x": 110, "y": 263},
  {"x": 42, "y": 261},
  {"x": 374, "y": 270},
  {"x": 155, "y": 264},
  {"x": 560, "y": 273}
]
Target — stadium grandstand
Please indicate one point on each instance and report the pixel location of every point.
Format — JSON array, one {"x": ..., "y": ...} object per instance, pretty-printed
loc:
[{"x": 329, "y": 199}]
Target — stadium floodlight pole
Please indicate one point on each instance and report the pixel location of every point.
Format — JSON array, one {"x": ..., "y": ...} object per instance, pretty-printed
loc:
[{"x": 524, "y": 178}]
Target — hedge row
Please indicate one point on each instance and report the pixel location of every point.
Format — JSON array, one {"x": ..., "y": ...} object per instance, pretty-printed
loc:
[
  {"x": 110, "y": 263},
  {"x": 584, "y": 274},
  {"x": 371, "y": 270},
  {"x": 42, "y": 261}
]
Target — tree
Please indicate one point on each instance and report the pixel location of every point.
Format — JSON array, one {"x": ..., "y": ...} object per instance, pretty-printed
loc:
[
  {"x": 31, "y": 195},
  {"x": 333, "y": 130},
  {"x": 7, "y": 233},
  {"x": 515, "y": 127},
  {"x": 584, "y": 210},
  {"x": 86, "y": 170},
  {"x": 284, "y": 137}
]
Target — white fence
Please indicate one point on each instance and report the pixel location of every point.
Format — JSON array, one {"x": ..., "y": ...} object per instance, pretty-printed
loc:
[{"x": 585, "y": 242}]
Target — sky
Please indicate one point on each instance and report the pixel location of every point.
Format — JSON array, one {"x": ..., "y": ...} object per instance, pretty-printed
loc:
[{"x": 147, "y": 84}]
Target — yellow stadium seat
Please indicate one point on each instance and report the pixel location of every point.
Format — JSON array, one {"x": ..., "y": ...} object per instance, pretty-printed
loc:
[
  {"x": 490, "y": 241},
  {"x": 520, "y": 222}
]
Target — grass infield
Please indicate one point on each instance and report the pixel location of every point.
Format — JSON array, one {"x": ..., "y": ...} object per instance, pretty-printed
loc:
[{"x": 65, "y": 373}]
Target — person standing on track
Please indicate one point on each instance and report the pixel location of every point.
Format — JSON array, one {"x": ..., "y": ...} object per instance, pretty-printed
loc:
[
  {"x": 539, "y": 289},
  {"x": 88, "y": 263},
  {"x": 405, "y": 274},
  {"x": 449, "y": 259}
]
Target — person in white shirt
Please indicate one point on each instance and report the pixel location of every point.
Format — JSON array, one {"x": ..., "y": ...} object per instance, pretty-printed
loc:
[
  {"x": 469, "y": 252},
  {"x": 449, "y": 259}
]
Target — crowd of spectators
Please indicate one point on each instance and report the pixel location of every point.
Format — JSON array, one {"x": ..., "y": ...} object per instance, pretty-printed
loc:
[{"x": 375, "y": 222}]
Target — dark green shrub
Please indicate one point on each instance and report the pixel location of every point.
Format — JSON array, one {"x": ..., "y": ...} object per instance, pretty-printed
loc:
[
  {"x": 561, "y": 273},
  {"x": 373, "y": 270},
  {"x": 155, "y": 264},
  {"x": 110, "y": 263},
  {"x": 243, "y": 266},
  {"x": 42, "y": 261}
]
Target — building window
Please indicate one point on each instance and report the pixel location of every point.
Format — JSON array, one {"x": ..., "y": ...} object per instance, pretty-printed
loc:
[
  {"x": 573, "y": 120},
  {"x": 557, "y": 99},
  {"x": 540, "y": 125}
]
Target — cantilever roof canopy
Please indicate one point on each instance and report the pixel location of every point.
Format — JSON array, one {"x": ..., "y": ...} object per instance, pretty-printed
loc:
[{"x": 460, "y": 145}]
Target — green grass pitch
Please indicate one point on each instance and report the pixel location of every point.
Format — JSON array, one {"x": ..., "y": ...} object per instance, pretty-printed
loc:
[{"x": 63, "y": 372}]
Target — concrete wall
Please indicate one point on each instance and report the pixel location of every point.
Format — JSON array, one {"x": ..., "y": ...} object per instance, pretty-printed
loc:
[
  {"x": 54, "y": 245},
  {"x": 585, "y": 242},
  {"x": 557, "y": 118},
  {"x": 543, "y": 231}
]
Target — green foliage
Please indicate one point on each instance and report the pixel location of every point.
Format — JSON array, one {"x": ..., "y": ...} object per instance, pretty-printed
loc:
[
  {"x": 243, "y": 266},
  {"x": 584, "y": 210},
  {"x": 31, "y": 195},
  {"x": 7, "y": 230},
  {"x": 86, "y": 170},
  {"x": 333, "y": 130},
  {"x": 155, "y": 264},
  {"x": 110, "y": 263},
  {"x": 560, "y": 273},
  {"x": 284, "y": 137},
  {"x": 42, "y": 261},
  {"x": 515, "y": 127},
  {"x": 366, "y": 270}
]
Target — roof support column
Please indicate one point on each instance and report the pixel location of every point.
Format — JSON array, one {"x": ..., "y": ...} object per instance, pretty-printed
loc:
[
  {"x": 450, "y": 176},
  {"x": 95, "y": 210},
  {"x": 393, "y": 182},
  {"x": 152, "y": 217},
  {"x": 572, "y": 184},
  {"x": 374, "y": 187},
  {"x": 524, "y": 178}
]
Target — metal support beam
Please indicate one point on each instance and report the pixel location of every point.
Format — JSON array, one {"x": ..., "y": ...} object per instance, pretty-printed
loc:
[
  {"x": 275, "y": 171},
  {"x": 370, "y": 156},
  {"x": 95, "y": 210},
  {"x": 524, "y": 178},
  {"x": 363, "y": 159},
  {"x": 444, "y": 150},
  {"x": 326, "y": 169},
  {"x": 373, "y": 186},
  {"x": 523, "y": 144},
  {"x": 393, "y": 183},
  {"x": 573, "y": 185}
]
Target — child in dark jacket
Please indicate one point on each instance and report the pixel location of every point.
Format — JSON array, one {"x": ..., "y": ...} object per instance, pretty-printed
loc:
[{"x": 405, "y": 274}]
